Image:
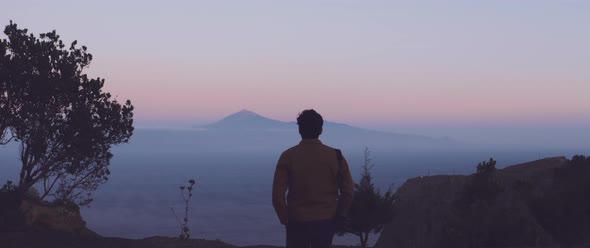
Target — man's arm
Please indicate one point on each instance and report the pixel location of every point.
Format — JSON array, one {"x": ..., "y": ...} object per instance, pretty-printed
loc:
[
  {"x": 346, "y": 188},
  {"x": 279, "y": 188}
]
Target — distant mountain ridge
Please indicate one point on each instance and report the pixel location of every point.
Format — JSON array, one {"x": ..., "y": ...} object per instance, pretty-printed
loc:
[
  {"x": 246, "y": 119},
  {"x": 250, "y": 129}
]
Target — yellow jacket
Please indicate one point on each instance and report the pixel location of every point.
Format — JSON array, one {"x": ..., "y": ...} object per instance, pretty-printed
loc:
[{"x": 318, "y": 183}]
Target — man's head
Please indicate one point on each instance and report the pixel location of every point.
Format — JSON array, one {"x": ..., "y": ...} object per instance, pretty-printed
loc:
[{"x": 310, "y": 124}]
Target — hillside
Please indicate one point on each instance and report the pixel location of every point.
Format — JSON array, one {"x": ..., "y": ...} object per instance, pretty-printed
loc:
[{"x": 535, "y": 204}]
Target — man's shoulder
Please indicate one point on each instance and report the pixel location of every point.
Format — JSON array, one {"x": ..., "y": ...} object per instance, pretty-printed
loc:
[
  {"x": 332, "y": 150},
  {"x": 327, "y": 147},
  {"x": 297, "y": 148},
  {"x": 289, "y": 150},
  {"x": 322, "y": 147}
]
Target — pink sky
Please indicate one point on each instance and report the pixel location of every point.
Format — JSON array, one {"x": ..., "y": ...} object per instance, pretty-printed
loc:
[{"x": 372, "y": 63}]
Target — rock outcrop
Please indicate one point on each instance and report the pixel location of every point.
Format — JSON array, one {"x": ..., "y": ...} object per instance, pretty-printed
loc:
[
  {"x": 54, "y": 218},
  {"x": 504, "y": 210}
]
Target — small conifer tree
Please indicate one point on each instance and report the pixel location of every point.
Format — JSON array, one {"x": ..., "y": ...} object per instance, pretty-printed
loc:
[{"x": 370, "y": 209}]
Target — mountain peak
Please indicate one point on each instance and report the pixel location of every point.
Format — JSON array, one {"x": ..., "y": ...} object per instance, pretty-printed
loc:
[
  {"x": 246, "y": 119},
  {"x": 246, "y": 112}
]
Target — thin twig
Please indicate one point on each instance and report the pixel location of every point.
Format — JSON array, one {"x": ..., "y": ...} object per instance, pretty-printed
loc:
[{"x": 177, "y": 219}]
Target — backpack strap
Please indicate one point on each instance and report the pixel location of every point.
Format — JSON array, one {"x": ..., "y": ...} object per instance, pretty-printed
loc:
[
  {"x": 339, "y": 170},
  {"x": 339, "y": 156},
  {"x": 339, "y": 179}
]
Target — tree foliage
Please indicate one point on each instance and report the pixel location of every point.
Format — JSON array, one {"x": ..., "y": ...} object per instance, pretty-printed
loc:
[
  {"x": 486, "y": 167},
  {"x": 11, "y": 218},
  {"x": 370, "y": 209},
  {"x": 4, "y": 110},
  {"x": 63, "y": 121}
]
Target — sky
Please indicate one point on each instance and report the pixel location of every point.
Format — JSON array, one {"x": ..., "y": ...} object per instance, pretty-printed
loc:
[{"x": 378, "y": 64}]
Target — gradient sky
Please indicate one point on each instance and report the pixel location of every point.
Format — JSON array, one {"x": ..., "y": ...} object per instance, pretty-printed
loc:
[{"x": 369, "y": 63}]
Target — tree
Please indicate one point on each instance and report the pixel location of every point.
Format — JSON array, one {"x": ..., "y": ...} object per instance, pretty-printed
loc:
[
  {"x": 63, "y": 120},
  {"x": 370, "y": 209},
  {"x": 4, "y": 117},
  {"x": 486, "y": 167}
]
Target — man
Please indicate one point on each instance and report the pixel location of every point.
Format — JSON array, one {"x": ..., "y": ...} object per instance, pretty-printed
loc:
[{"x": 319, "y": 187}]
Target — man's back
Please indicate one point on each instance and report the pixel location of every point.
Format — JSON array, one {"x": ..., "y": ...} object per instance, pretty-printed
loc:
[
  {"x": 318, "y": 183},
  {"x": 311, "y": 172}
]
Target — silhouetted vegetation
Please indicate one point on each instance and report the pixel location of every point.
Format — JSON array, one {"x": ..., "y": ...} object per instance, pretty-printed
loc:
[
  {"x": 483, "y": 187},
  {"x": 4, "y": 109},
  {"x": 370, "y": 209},
  {"x": 477, "y": 220},
  {"x": 486, "y": 167},
  {"x": 187, "y": 193},
  {"x": 10, "y": 218},
  {"x": 564, "y": 210},
  {"x": 63, "y": 121}
]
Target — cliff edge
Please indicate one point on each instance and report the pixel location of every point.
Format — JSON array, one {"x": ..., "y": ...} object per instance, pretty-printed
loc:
[{"x": 543, "y": 203}]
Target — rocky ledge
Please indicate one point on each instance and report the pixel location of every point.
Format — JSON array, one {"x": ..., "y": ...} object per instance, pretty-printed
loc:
[{"x": 544, "y": 203}]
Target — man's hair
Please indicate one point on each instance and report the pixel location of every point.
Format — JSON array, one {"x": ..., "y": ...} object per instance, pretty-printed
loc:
[{"x": 310, "y": 124}]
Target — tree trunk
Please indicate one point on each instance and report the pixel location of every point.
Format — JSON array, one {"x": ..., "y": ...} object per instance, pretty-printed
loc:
[
  {"x": 361, "y": 238},
  {"x": 23, "y": 187},
  {"x": 364, "y": 239}
]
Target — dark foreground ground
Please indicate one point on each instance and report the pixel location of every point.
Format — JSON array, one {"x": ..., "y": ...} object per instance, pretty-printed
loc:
[{"x": 60, "y": 240}]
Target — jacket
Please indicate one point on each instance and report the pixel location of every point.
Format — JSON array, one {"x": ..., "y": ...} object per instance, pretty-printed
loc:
[{"x": 318, "y": 184}]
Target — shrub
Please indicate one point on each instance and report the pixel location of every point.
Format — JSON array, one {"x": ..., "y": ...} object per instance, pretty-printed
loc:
[{"x": 187, "y": 193}]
